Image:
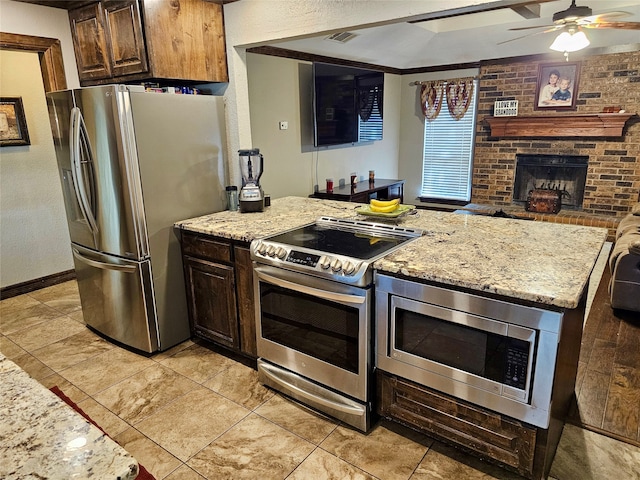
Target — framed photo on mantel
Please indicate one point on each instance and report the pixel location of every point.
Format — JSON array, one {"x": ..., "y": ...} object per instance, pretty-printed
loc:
[
  {"x": 557, "y": 87},
  {"x": 13, "y": 126}
]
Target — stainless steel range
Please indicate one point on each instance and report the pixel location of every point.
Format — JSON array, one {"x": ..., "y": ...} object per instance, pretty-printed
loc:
[{"x": 314, "y": 306}]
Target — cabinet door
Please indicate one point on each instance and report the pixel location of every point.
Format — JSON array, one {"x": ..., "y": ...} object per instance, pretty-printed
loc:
[
  {"x": 185, "y": 40},
  {"x": 89, "y": 42},
  {"x": 477, "y": 430},
  {"x": 246, "y": 304},
  {"x": 123, "y": 31},
  {"x": 212, "y": 301}
]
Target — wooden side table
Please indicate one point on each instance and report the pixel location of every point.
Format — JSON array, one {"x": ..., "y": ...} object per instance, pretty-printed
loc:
[{"x": 362, "y": 192}]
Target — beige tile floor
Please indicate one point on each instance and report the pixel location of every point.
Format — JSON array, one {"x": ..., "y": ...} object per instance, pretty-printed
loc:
[{"x": 193, "y": 413}]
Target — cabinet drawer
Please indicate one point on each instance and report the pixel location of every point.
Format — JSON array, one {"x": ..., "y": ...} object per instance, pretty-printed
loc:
[
  {"x": 482, "y": 432},
  {"x": 206, "y": 247}
]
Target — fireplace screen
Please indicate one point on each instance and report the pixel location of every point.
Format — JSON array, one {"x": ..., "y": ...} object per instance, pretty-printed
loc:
[{"x": 564, "y": 173}]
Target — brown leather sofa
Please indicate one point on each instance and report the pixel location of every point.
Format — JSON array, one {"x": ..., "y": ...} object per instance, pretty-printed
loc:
[{"x": 624, "y": 262}]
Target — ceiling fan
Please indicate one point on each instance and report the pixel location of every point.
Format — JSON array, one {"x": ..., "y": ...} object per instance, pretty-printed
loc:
[{"x": 571, "y": 21}]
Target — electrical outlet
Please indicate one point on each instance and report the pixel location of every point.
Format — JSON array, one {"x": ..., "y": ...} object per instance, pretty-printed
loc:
[{"x": 284, "y": 125}]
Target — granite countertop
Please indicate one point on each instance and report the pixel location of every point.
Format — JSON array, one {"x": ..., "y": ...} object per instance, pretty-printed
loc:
[
  {"x": 42, "y": 437},
  {"x": 541, "y": 262},
  {"x": 283, "y": 214}
]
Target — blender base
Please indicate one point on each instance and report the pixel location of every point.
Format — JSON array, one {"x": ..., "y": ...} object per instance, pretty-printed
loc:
[{"x": 247, "y": 206}]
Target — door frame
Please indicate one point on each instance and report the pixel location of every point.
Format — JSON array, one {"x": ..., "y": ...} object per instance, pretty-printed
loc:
[
  {"x": 52, "y": 67},
  {"x": 50, "y": 54}
]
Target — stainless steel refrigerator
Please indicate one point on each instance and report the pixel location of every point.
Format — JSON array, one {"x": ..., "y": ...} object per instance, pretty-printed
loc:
[{"x": 132, "y": 163}]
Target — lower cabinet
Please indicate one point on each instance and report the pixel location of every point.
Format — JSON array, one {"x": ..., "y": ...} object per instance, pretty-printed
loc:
[
  {"x": 219, "y": 284},
  {"x": 484, "y": 433}
]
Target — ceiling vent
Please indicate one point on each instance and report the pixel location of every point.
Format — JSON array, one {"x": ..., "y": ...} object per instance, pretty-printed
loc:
[{"x": 341, "y": 37}]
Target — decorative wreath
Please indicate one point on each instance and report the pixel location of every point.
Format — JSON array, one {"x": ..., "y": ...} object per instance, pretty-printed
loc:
[
  {"x": 431, "y": 96},
  {"x": 459, "y": 95}
]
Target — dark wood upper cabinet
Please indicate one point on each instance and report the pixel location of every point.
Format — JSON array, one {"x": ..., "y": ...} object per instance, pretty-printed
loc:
[
  {"x": 89, "y": 42},
  {"x": 135, "y": 40},
  {"x": 123, "y": 30}
]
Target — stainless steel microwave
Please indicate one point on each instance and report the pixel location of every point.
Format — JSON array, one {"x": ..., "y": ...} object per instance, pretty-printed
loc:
[{"x": 488, "y": 352}]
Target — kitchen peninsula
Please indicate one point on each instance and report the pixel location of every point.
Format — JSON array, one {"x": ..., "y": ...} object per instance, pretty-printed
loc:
[
  {"x": 538, "y": 262},
  {"x": 539, "y": 267}
]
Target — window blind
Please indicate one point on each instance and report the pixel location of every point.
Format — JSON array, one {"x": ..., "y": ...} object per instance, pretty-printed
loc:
[
  {"x": 448, "y": 155},
  {"x": 372, "y": 128}
]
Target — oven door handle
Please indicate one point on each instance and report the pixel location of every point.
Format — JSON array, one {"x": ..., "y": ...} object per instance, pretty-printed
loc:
[{"x": 315, "y": 292}]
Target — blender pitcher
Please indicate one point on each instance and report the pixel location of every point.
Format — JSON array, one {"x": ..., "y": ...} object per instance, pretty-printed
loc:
[{"x": 251, "y": 196}]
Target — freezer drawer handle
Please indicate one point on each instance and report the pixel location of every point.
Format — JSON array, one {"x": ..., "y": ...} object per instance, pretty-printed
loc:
[{"x": 104, "y": 266}]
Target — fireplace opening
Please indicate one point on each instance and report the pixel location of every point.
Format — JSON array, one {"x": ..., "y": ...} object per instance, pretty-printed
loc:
[{"x": 564, "y": 173}]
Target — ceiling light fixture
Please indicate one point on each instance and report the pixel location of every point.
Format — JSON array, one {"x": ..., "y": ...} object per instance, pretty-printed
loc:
[{"x": 570, "y": 41}]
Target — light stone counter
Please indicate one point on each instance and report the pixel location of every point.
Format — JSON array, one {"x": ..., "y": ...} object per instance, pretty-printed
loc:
[
  {"x": 283, "y": 214},
  {"x": 542, "y": 262},
  {"x": 42, "y": 437}
]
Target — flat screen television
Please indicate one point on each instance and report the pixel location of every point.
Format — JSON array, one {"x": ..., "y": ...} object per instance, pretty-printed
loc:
[{"x": 347, "y": 104}]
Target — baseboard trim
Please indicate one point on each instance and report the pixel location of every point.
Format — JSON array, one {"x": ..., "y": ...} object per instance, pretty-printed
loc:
[{"x": 36, "y": 284}]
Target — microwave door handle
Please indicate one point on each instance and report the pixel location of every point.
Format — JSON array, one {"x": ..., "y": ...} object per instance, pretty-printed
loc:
[
  {"x": 103, "y": 265},
  {"x": 315, "y": 292},
  {"x": 78, "y": 132},
  {"x": 314, "y": 398}
]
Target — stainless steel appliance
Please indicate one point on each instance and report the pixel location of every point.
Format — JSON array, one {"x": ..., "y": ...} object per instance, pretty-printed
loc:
[
  {"x": 251, "y": 195},
  {"x": 314, "y": 304},
  {"x": 499, "y": 355},
  {"x": 131, "y": 164}
]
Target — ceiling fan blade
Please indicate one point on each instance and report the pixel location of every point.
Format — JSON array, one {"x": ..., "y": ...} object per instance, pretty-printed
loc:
[
  {"x": 603, "y": 17},
  {"x": 616, "y": 25},
  {"x": 555, "y": 27},
  {"x": 524, "y": 36}
]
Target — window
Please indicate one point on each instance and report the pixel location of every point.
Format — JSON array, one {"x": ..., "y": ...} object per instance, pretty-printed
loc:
[
  {"x": 372, "y": 128},
  {"x": 448, "y": 155}
]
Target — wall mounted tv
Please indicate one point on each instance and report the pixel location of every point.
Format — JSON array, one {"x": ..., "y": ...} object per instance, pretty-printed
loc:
[{"x": 347, "y": 104}]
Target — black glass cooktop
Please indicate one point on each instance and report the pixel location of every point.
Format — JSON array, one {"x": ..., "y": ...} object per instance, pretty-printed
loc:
[{"x": 345, "y": 242}]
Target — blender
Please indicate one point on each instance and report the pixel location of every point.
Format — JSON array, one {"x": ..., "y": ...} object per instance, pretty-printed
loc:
[{"x": 251, "y": 196}]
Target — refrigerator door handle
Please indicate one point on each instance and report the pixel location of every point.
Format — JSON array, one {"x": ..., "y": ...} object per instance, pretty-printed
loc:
[
  {"x": 78, "y": 132},
  {"x": 102, "y": 265}
]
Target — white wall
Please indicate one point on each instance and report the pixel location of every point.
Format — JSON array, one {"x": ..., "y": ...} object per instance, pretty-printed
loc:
[
  {"x": 255, "y": 22},
  {"x": 411, "y": 127},
  {"x": 34, "y": 240},
  {"x": 39, "y": 21},
  {"x": 280, "y": 90}
]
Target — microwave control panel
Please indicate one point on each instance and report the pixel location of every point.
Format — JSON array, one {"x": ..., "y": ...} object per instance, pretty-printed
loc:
[{"x": 517, "y": 363}]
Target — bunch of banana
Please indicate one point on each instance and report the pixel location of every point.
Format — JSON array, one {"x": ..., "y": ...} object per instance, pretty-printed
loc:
[{"x": 384, "y": 206}]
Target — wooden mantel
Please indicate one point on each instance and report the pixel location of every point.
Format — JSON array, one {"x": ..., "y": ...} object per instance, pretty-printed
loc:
[{"x": 559, "y": 125}]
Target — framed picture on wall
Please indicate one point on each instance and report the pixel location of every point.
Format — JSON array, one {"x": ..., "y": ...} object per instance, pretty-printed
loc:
[
  {"x": 13, "y": 125},
  {"x": 557, "y": 86}
]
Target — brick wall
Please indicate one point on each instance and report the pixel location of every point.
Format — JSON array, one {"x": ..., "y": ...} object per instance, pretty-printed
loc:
[{"x": 613, "y": 178}]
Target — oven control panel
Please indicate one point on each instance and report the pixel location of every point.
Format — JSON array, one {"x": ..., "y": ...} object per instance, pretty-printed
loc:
[
  {"x": 302, "y": 258},
  {"x": 325, "y": 265}
]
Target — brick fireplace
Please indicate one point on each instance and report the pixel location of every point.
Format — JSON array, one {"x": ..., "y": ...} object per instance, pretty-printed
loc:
[
  {"x": 612, "y": 182},
  {"x": 566, "y": 174}
]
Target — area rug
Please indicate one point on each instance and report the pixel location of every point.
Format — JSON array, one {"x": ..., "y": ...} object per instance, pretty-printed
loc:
[
  {"x": 608, "y": 384},
  {"x": 143, "y": 474}
]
